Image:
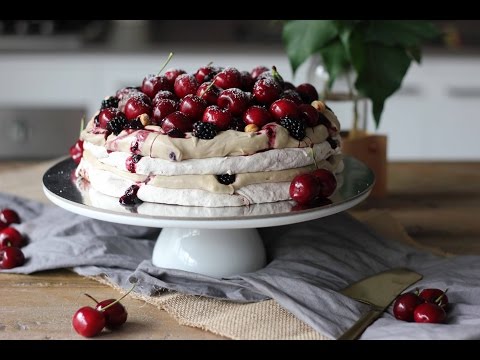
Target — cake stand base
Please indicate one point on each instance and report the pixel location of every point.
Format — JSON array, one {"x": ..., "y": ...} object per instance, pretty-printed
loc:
[{"x": 213, "y": 252}]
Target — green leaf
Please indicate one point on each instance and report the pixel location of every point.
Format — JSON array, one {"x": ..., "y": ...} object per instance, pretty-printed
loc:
[
  {"x": 400, "y": 32},
  {"x": 335, "y": 59},
  {"x": 415, "y": 53},
  {"x": 303, "y": 38},
  {"x": 380, "y": 70}
]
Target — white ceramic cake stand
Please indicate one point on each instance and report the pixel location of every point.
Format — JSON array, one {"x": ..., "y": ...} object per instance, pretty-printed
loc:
[{"x": 213, "y": 241}]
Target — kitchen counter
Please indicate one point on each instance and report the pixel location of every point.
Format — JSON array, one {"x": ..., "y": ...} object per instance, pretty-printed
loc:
[{"x": 437, "y": 203}]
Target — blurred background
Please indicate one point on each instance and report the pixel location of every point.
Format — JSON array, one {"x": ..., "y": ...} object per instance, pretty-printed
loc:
[{"x": 52, "y": 72}]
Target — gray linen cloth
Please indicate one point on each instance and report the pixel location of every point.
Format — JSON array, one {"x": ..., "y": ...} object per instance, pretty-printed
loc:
[{"x": 308, "y": 263}]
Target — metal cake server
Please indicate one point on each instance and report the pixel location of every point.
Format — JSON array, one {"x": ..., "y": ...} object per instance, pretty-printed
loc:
[{"x": 378, "y": 291}]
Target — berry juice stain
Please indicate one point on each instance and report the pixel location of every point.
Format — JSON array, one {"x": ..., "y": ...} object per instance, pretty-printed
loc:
[
  {"x": 130, "y": 197},
  {"x": 131, "y": 163}
]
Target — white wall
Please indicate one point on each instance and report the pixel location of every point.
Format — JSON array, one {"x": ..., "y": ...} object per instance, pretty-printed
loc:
[{"x": 435, "y": 117}]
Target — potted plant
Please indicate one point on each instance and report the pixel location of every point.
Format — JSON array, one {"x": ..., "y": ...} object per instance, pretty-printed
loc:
[{"x": 373, "y": 56}]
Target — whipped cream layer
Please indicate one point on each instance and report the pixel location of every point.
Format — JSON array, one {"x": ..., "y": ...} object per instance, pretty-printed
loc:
[
  {"x": 152, "y": 141},
  {"x": 272, "y": 160}
]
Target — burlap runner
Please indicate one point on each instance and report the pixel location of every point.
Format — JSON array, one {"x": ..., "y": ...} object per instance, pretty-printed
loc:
[{"x": 265, "y": 319}]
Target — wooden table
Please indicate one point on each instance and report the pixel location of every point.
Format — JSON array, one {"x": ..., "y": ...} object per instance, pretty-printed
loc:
[{"x": 437, "y": 203}]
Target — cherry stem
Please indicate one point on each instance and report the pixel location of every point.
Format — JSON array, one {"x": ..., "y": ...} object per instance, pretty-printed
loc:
[
  {"x": 166, "y": 62},
  {"x": 210, "y": 63},
  {"x": 208, "y": 88},
  {"x": 91, "y": 297},
  {"x": 437, "y": 300},
  {"x": 118, "y": 300},
  {"x": 276, "y": 74}
]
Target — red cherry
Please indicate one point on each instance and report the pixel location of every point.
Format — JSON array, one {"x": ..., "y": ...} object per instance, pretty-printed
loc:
[
  {"x": 221, "y": 118},
  {"x": 317, "y": 202},
  {"x": 205, "y": 73},
  {"x": 172, "y": 75},
  {"x": 11, "y": 237},
  {"x": 309, "y": 114},
  {"x": 193, "y": 106},
  {"x": 164, "y": 94},
  {"x": 76, "y": 151},
  {"x": 429, "y": 313},
  {"x": 115, "y": 315},
  {"x": 11, "y": 257},
  {"x": 210, "y": 95},
  {"x": 266, "y": 90},
  {"x": 163, "y": 108},
  {"x": 258, "y": 70},
  {"x": 9, "y": 216},
  {"x": 304, "y": 188},
  {"x": 2, "y": 225},
  {"x": 293, "y": 95},
  {"x": 105, "y": 115},
  {"x": 257, "y": 115},
  {"x": 234, "y": 100},
  {"x": 307, "y": 92},
  {"x": 284, "y": 108},
  {"x": 247, "y": 81},
  {"x": 405, "y": 305},
  {"x": 435, "y": 296},
  {"x": 152, "y": 84},
  {"x": 288, "y": 86},
  {"x": 326, "y": 180},
  {"x": 177, "y": 120},
  {"x": 136, "y": 106},
  {"x": 228, "y": 78},
  {"x": 88, "y": 321},
  {"x": 126, "y": 91},
  {"x": 185, "y": 84}
]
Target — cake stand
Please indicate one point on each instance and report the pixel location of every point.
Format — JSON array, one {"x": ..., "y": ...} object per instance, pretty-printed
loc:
[{"x": 216, "y": 242}]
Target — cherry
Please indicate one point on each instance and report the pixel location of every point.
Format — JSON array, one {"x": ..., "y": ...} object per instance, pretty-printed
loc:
[
  {"x": 266, "y": 91},
  {"x": 405, "y": 305},
  {"x": 205, "y": 73},
  {"x": 105, "y": 115},
  {"x": 256, "y": 71},
  {"x": 221, "y": 118},
  {"x": 11, "y": 237},
  {"x": 307, "y": 92},
  {"x": 284, "y": 108},
  {"x": 172, "y": 75},
  {"x": 257, "y": 115},
  {"x": 435, "y": 296},
  {"x": 136, "y": 106},
  {"x": 247, "y": 81},
  {"x": 317, "y": 202},
  {"x": 88, "y": 321},
  {"x": 76, "y": 151},
  {"x": 11, "y": 257},
  {"x": 234, "y": 100},
  {"x": 288, "y": 86},
  {"x": 2, "y": 225},
  {"x": 185, "y": 84},
  {"x": 292, "y": 95},
  {"x": 228, "y": 78},
  {"x": 177, "y": 120},
  {"x": 9, "y": 216},
  {"x": 193, "y": 106},
  {"x": 326, "y": 180},
  {"x": 309, "y": 114},
  {"x": 126, "y": 91},
  {"x": 164, "y": 94},
  {"x": 209, "y": 93},
  {"x": 429, "y": 313},
  {"x": 304, "y": 188},
  {"x": 115, "y": 315},
  {"x": 163, "y": 108},
  {"x": 152, "y": 84}
]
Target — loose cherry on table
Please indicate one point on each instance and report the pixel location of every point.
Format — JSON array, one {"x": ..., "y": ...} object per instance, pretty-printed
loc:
[
  {"x": 326, "y": 180},
  {"x": 11, "y": 237},
  {"x": 11, "y": 257},
  {"x": 435, "y": 296},
  {"x": 304, "y": 188},
  {"x": 429, "y": 313},
  {"x": 9, "y": 216},
  {"x": 405, "y": 305}
]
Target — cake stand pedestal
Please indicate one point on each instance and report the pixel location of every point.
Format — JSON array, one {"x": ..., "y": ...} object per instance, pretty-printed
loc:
[{"x": 217, "y": 242}]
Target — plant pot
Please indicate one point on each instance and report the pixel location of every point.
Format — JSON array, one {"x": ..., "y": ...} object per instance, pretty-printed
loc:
[{"x": 371, "y": 149}]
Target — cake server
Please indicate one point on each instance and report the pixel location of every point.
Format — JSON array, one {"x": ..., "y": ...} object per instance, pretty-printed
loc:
[{"x": 378, "y": 291}]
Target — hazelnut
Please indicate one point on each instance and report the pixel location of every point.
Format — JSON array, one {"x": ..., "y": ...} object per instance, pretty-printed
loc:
[
  {"x": 144, "y": 119},
  {"x": 251, "y": 128},
  {"x": 319, "y": 105}
]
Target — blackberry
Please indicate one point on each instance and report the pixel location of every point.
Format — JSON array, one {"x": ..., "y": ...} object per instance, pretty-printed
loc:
[
  {"x": 135, "y": 124},
  {"x": 112, "y": 101},
  {"x": 204, "y": 130},
  {"x": 295, "y": 127},
  {"x": 117, "y": 124},
  {"x": 226, "y": 179},
  {"x": 237, "y": 124}
]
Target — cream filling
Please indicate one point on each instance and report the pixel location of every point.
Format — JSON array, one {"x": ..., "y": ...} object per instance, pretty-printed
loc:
[
  {"x": 209, "y": 182},
  {"x": 271, "y": 160},
  {"x": 152, "y": 142}
]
